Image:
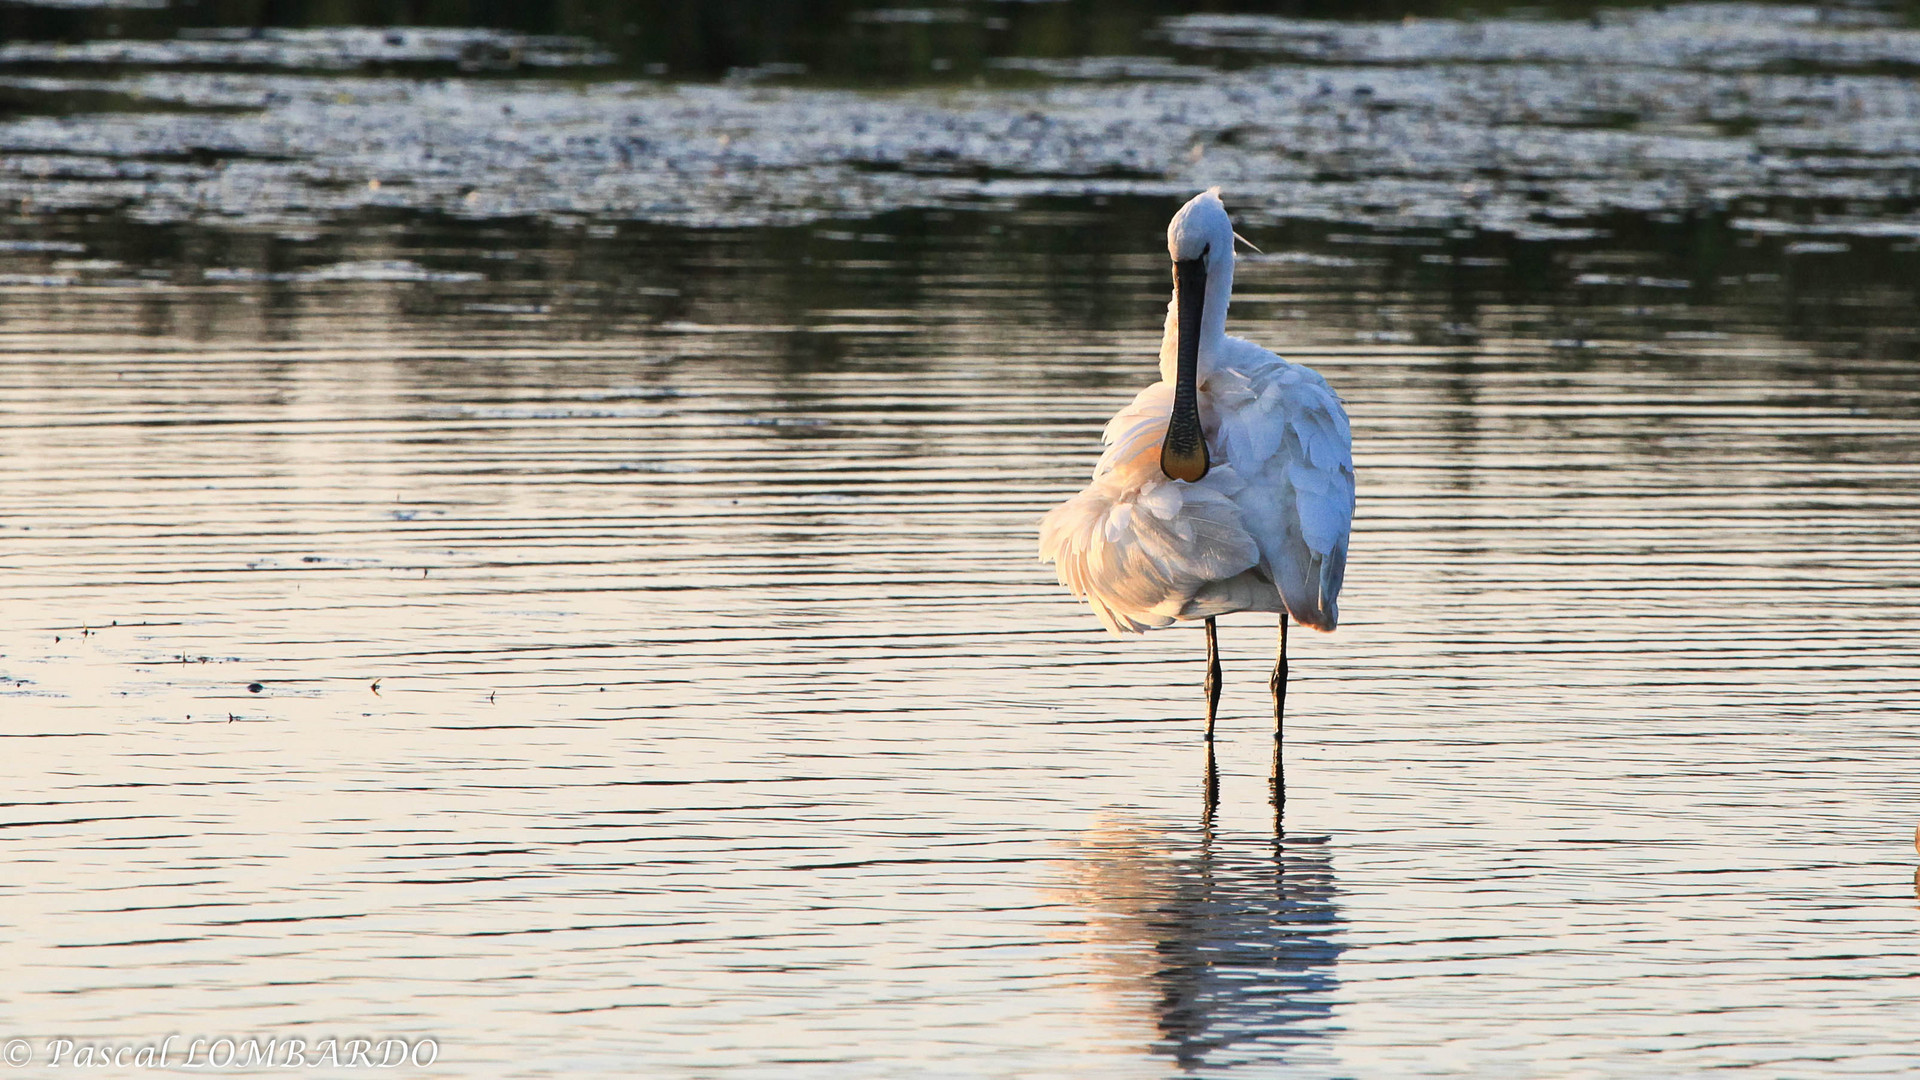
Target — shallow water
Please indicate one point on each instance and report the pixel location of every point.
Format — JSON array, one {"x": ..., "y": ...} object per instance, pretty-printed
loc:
[
  {"x": 691, "y": 696},
  {"x": 609, "y": 646}
]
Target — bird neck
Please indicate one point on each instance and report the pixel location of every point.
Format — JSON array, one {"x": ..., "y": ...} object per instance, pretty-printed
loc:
[{"x": 1213, "y": 321}]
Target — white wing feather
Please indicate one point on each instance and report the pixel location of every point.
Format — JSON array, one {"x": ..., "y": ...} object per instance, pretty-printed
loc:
[
  {"x": 1296, "y": 456},
  {"x": 1267, "y": 526}
]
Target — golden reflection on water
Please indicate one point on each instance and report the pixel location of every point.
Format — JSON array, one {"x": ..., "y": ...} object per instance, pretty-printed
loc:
[{"x": 1221, "y": 944}]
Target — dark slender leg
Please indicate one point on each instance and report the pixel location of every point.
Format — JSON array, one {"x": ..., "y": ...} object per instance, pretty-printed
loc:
[
  {"x": 1279, "y": 684},
  {"x": 1213, "y": 676}
]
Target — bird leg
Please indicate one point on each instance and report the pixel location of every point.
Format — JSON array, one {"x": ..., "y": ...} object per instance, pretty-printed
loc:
[
  {"x": 1212, "y": 684},
  {"x": 1279, "y": 684}
]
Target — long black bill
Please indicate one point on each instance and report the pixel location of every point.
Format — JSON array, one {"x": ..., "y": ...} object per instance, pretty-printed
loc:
[{"x": 1183, "y": 454}]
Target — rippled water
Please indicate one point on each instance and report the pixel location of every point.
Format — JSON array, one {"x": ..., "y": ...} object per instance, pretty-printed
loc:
[
  {"x": 689, "y": 698},
  {"x": 613, "y": 647}
]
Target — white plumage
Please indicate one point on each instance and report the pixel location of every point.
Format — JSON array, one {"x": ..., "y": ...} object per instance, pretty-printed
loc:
[{"x": 1264, "y": 528}]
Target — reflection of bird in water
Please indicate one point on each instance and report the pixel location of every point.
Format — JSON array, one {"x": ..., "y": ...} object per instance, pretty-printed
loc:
[
  {"x": 1226, "y": 486},
  {"x": 1232, "y": 938}
]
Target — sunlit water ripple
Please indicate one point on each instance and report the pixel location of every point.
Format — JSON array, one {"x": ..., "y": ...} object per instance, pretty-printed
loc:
[{"x": 688, "y": 698}]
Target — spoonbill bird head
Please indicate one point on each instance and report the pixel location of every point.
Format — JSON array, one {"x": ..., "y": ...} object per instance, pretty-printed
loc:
[
  {"x": 1201, "y": 230},
  {"x": 1200, "y": 239}
]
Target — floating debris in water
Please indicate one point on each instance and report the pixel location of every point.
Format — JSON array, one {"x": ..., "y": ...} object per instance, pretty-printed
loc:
[
  {"x": 329, "y": 48},
  {"x": 1530, "y": 127},
  {"x": 378, "y": 270},
  {"x": 1709, "y": 36}
]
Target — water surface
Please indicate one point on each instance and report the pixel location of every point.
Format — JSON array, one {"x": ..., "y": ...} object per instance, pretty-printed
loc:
[{"x": 613, "y": 645}]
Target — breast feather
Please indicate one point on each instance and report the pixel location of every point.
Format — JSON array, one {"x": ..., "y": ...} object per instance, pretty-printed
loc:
[{"x": 1139, "y": 547}]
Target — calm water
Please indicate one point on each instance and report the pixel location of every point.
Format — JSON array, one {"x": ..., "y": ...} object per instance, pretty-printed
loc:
[
  {"x": 616, "y": 647},
  {"x": 690, "y": 696}
]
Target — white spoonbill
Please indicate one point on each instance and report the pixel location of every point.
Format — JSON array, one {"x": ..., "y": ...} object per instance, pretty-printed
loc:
[{"x": 1226, "y": 486}]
